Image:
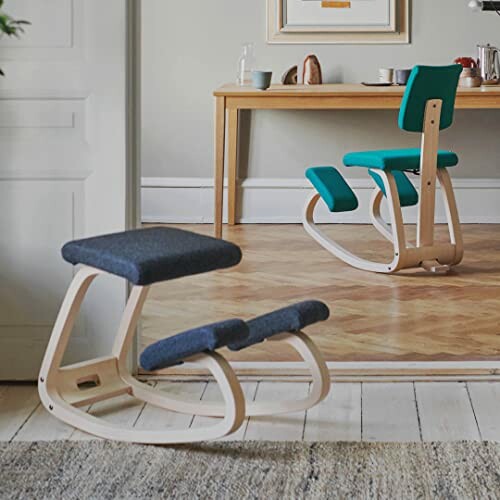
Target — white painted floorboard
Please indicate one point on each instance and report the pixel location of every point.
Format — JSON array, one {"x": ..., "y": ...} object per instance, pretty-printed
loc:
[
  {"x": 446, "y": 412},
  {"x": 389, "y": 413},
  {"x": 485, "y": 398},
  {"x": 53, "y": 428},
  {"x": 338, "y": 418},
  {"x": 17, "y": 403},
  {"x": 153, "y": 417},
  {"x": 286, "y": 427},
  {"x": 434, "y": 411}
]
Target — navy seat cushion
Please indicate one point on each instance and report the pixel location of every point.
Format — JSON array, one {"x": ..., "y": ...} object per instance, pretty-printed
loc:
[
  {"x": 173, "y": 350},
  {"x": 146, "y": 256},
  {"x": 289, "y": 319}
]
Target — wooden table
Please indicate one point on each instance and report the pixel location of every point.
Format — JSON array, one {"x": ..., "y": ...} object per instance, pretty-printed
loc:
[{"x": 230, "y": 99}]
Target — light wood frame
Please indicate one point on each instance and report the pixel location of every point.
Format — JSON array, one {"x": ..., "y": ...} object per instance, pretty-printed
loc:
[
  {"x": 425, "y": 253},
  {"x": 397, "y": 33},
  {"x": 63, "y": 392},
  {"x": 230, "y": 99}
]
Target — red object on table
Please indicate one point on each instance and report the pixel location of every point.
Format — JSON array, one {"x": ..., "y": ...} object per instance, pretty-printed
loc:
[{"x": 466, "y": 62}]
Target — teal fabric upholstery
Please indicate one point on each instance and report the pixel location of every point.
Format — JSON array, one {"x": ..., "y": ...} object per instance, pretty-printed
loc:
[
  {"x": 408, "y": 195},
  {"x": 425, "y": 83},
  {"x": 396, "y": 159},
  {"x": 332, "y": 188}
]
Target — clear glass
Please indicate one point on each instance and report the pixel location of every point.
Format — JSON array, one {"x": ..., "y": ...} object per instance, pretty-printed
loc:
[{"x": 246, "y": 64}]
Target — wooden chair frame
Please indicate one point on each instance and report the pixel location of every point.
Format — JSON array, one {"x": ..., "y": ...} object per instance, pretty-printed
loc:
[
  {"x": 426, "y": 253},
  {"x": 319, "y": 389},
  {"x": 65, "y": 389}
]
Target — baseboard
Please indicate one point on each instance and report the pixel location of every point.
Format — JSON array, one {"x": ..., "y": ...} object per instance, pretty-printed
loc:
[
  {"x": 280, "y": 201},
  {"x": 356, "y": 371}
]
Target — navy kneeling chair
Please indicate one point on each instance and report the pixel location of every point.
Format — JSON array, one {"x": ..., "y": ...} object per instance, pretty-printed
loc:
[{"x": 148, "y": 256}]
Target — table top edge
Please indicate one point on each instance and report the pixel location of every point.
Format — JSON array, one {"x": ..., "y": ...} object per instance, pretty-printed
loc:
[{"x": 337, "y": 90}]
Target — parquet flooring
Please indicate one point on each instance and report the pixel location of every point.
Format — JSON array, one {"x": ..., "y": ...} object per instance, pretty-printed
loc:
[{"x": 412, "y": 316}]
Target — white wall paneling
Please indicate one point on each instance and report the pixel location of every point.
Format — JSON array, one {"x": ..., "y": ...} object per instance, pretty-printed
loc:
[
  {"x": 37, "y": 217},
  {"x": 41, "y": 133},
  {"x": 280, "y": 201},
  {"x": 63, "y": 170},
  {"x": 56, "y": 31}
]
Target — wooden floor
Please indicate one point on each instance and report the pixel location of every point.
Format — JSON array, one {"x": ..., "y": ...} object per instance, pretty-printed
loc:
[
  {"x": 447, "y": 411},
  {"x": 407, "y": 317}
]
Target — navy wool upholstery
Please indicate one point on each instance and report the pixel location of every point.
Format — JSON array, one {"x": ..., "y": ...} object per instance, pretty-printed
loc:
[
  {"x": 172, "y": 350},
  {"x": 288, "y": 319},
  {"x": 146, "y": 256}
]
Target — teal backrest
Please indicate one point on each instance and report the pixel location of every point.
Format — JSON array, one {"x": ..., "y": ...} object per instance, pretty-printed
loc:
[{"x": 429, "y": 82}]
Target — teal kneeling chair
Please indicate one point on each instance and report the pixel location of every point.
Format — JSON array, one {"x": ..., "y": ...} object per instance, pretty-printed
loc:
[{"x": 427, "y": 107}]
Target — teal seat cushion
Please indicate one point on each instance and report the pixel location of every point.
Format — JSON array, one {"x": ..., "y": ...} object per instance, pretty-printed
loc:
[
  {"x": 332, "y": 188},
  {"x": 396, "y": 159},
  {"x": 408, "y": 195}
]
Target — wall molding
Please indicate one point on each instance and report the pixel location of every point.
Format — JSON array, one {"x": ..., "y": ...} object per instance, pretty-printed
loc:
[
  {"x": 350, "y": 371},
  {"x": 34, "y": 94},
  {"x": 280, "y": 201},
  {"x": 44, "y": 175}
]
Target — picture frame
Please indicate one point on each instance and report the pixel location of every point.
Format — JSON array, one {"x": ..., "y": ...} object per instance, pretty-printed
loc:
[{"x": 298, "y": 22}]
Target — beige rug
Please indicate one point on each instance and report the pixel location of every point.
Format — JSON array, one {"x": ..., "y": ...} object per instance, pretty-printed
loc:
[{"x": 258, "y": 470}]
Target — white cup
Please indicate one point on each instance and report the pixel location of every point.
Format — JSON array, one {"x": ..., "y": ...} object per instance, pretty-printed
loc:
[{"x": 386, "y": 75}]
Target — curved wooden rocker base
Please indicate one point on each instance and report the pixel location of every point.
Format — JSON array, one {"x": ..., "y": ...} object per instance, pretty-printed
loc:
[
  {"x": 454, "y": 230},
  {"x": 320, "y": 374},
  {"x": 432, "y": 257},
  {"x": 233, "y": 410},
  {"x": 342, "y": 253},
  {"x": 63, "y": 390},
  {"x": 319, "y": 389}
]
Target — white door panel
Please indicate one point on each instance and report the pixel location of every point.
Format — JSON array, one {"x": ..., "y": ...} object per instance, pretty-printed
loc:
[
  {"x": 44, "y": 32},
  {"x": 63, "y": 170}
]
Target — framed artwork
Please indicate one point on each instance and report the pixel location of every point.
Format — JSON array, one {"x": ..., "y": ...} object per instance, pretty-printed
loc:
[{"x": 338, "y": 21}]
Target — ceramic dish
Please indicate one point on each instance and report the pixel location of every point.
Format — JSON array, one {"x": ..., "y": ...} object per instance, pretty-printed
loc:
[{"x": 377, "y": 84}]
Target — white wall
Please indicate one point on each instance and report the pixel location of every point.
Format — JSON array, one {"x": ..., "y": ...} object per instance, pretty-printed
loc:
[{"x": 189, "y": 48}]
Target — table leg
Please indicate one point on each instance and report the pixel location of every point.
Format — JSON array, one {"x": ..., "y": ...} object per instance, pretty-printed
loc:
[
  {"x": 220, "y": 139},
  {"x": 232, "y": 165}
]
